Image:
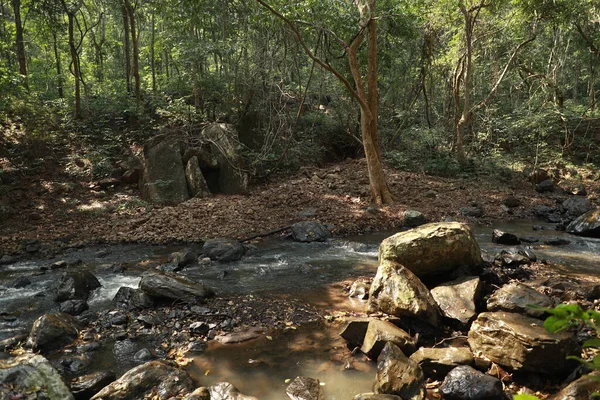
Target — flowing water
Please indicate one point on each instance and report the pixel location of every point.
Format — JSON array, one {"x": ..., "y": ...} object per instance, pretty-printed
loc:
[{"x": 310, "y": 272}]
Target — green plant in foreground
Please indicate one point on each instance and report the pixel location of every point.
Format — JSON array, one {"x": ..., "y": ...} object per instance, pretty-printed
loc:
[{"x": 564, "y": 316}]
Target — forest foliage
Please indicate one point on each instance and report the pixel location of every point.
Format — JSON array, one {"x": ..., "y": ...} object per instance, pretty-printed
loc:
[{"x": 462, "y": 83}]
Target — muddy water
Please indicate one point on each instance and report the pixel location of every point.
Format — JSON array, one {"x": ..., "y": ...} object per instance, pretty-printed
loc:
[{"x": 310, "y": 272}]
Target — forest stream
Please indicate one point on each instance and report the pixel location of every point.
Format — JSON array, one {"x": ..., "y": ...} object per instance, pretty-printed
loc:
[{"x": 310, "y": 273}]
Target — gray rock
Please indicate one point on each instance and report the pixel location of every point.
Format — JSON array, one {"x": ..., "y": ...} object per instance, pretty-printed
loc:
[
  {"x": 86, "y": 386},
  {"x": 397, "y": 291},
  {"x": 197, "y": 185},
  {"x": 223, "y": 249},
  {"x": 381, "y": 332},
  {"x": 433, "y": 249},
  {"x": 458, "y": 299},
  {"x": 437, "y": 362},
  {"x": 305, "y": 388},
  {"x": 75, "y": 365},
  {"x": 501, "y": 237},
  {"x": 581, "y": 389},
  {"x": 174, "y": 287},
  {"x": 518, "y": 297},
  {"x": 20, "y": 283},
  {"x": 53, "y": 331},
  {"x": 359, "y": 290},
  {"x": 399, "y": 375},
  {"x": 199, "y": 328},
  {"x": 129, "y": 298},
  {"x": 310, "y": 231},
  {"x": 545, "y": 186},
  {"x": 75, "y": 285},
  {"x": 34, "y": 375},
  {"x": 538, "y": 175},
  {"x": 521, "y": 343},
  {"x": 511, "y": 202},
  {"x": 184, "y": 258},
  {"x": 6, "y": 259},
  {"x": 466, "y": 383},
  {"x": 163, "y": 178},
  {"x": 587, "y": 224},
  {"x": 472, "y": 211},
  {"x": 576, "y": 206},
  {"x": 154, "y": 377},
  {"x": 143, "y": 355},
  {"x": 73, "y": 307},
  {"x": 413, "y": 218}
]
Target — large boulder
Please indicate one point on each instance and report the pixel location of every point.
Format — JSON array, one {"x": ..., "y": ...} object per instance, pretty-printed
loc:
[
  {"x": 32, "y": 375},
  {"x": 380, "y": 332},
  {"x": 576, "y": 206},
  {"x": 154, "y": 377},
  {"x": 174, "y": 287},
  {"x": 305, "y": 388},
  {"x": 310, "y": 231},
  {"x": 521, "y": 343},
  {"x": 399, "y": 375},
  {"x": 587, "y": 224},
  {"x": 466, "y": 383},
  {"x": 84, "y": 387},
  {"x": 223, "y": 249},
  {"x": 432, "y": 249},
  {"x": 164, "y": 180},
  {"x": 458, "y": 299},
  {"x": 397, "y": 291},
  {"x": 438, "y": 361},
  {"x": 75, "y": 285},
  {"x": 53, "y": 331},
  {"x": 518, "y": 297}
]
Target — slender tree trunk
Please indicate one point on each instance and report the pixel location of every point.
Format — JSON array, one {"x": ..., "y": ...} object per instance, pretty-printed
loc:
[
  {"x": 135, "y": 52},
  {"x": 75, "y": 63},
  {"x": 152, "y": 58},
  {"x": 20, "y": 43},
  {"x": 59, "y": 77},
  {"x": 126, "y": 49}
]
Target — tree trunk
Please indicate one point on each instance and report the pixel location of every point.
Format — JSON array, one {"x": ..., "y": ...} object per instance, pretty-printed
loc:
[
  {"x": 20, "y": 42},
  {"x": 152, "y": 58},
  {"x": 126, "y": 49},
  {"x": 75, "y": 63},
  {"x": 135, "y": 52},
  {"x": 59, "y": 77}
]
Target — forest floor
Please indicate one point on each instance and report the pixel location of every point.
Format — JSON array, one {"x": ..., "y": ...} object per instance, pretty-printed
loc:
[{"x": 48, "y": 204}]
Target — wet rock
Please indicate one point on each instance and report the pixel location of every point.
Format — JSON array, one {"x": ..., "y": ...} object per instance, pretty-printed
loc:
[
  {"x": 413, "y": 218},
  {"x": 433, "y": 249},
  {"x": 118, "y": 319},
  {"x": 155, "y": 377},
  {"x": 149, "y": 320},
  {"x": 587, "y": 224},
  {"x": 437, "y": 362},
  {"x": 197, "y": 346},
  {"x": 199, "y": 328},
  {"x": 32, "y": 375},
  {"x": 581, "y": 389},
  {"x": 381, "y": 332},
  {"x": 88, "y": 347},
  {"x": 556, "y": 242},
  {"x": 399, "y": 375},
  {"x": 223, "y": 249},
  {"x": 355, "y": 330},
  {"x": 12, "y": 342},
  {"x": 458, "y": 299},
  {"x": 239, "y": 337},
  {"x": 6, "y": 259},
  {"x": 310, "y": 231},
  {"x": 576, "y": 206},
  {"x": 466, "y": 383},
  {"x": 226, "y": 391},
  {"x": 472, "y": 211},
  {"x": 542, "y": 211},
  {"x": 73, "y": 307},
  {"x": 174, "y": 287},
  {"x": 305, "y": 388},
  {"x": 509, "y": 258},
  {"x": 20, "y": 283},
  {"x": 518, "y": 297},
  {"x": 397, "y": 291},
  {"x": 143, "y": 355},
  {"x": 545, "y": 186},
  {"x": 360, "y": 290},
  {"x": 501, "y": 237},
  {"x": 511, "y": 202},
  {"x": 184, "y": 258},
  {"x": 75, "y": 365},
  {"x": 524, "y": 251},
  {"x": 86, "y": 386},
  {"x": 76, "y": 285},
  {"x": 373, "y": 396},
  {"x": 521, "y": 343},
  {"x": 53, "y": 331},
  {"x": 201, "y": 393},
  {"x": 129, "y": 298}
]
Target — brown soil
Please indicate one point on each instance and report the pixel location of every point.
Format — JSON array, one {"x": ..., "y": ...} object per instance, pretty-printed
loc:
[{"x": 52, "y": 207}]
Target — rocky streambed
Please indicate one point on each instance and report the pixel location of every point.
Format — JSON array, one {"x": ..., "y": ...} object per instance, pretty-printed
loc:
[{"x": 431, "y": 319}]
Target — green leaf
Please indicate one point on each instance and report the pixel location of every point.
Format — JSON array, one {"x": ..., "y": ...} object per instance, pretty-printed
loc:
[
  {"x": 595, "y": 342},
  {"x": 555, "y": 323},
  {"x": 525, "y": 397}
]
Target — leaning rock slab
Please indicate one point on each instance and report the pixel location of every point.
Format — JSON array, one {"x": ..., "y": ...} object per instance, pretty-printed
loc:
[
  {"x": 587, "y": 224},
  {"x": 174, "y": 287},
  {"x": 34, "y": 375},
  {"x": 53, "y": 331},
  {"x": 380, "y": 332},
  {"x": 398, "y": 375},
  {"x": 466, "y": 383},
  {"x": 310, "y": 231},
  {"x": 439, "y": 361},
  {"x": 521, "y": 343},
  {"x": 397, "y": 291},
  {"x": 305, "y": 388},
  {"x": 518, "y": 297},
  {"x": 223, "y": 249},
  {"x": 154, "y": 377},
  {"x": 432, "y": 249},
  {"x": 458, "y": 299}
]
